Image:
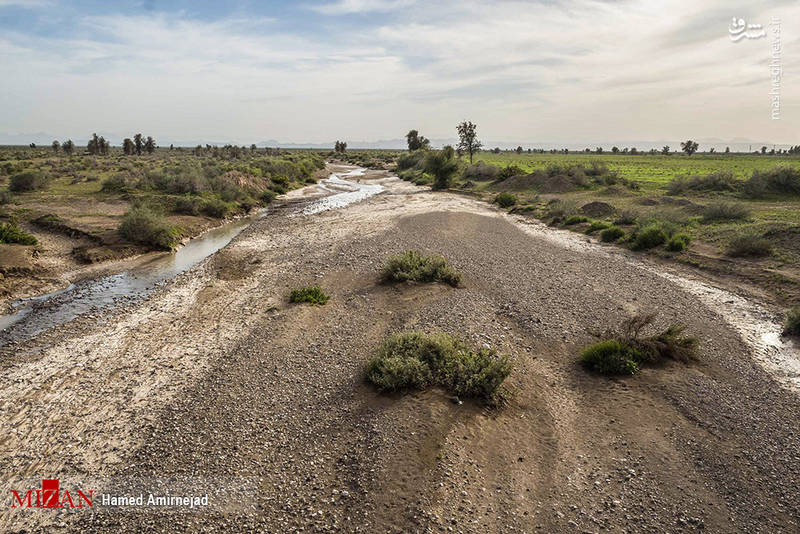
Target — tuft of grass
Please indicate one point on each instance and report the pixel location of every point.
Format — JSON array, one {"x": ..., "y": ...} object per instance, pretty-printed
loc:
[
  {"x": 597, "y": 225},
  {"x": 627, "y": 217},
  {"x": 715, "y": 181},
  {"x": 678, "y": 242},
  {"x": 648, "y": 237},
  {"x": 310, "y": 294},
  {"x": 750, "y": 245},
  {"x": 11, "y": 233},
  {"x": 725, "y": 211},
  {"x": 415, "y": 360},
  {"x": 413, "y": 266},
  {"x": 575, "y": 219},
  {"x": 792, "y": 325},
  {"x": 624, "y": 351},
  {"x": 611, "y": 234},
  {"x": 561, "y": 209},
  {"x": 506, "y": 200},
  {"x": 144, "y": 226}
]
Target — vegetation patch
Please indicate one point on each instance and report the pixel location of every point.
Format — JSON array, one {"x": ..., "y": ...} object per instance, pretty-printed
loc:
[
  {"x": 749, "y": 245},
  {"x": 777, "y": 181},
  {"x": 792, "y": 325},
  {"x": 715, "y": 181},
  {"x": 28, "y": 181},
  {"x": 415, "y": 360},
  {"x": 611, "y": 234},
  {"x": 626, "y": 350},
  {"x": 678, "y": 242},
  {"x": 145, "y": 226},
  {"x": 596, "y": 226},
  {"x": 650, "y": 236},
  {"x": 725, "y": 211},
  {"x": 11, "y": 233},
  {"x": 413, "y": 266},
  {"x": 311, "y": 294},
  {"x": 506, "y": 200},
  {"x": 575, "y": 219}
]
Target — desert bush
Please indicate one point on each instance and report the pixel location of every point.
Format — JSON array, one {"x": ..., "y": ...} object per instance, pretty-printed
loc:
[
  {"x": 724, "y": 211},
  {"x": 28, "y": 181},
  {"x": 561, "y": 209},
  {"x": 575, "y": 219},
  {"x": 409, "y": 160},
  {"x": 442, "y": 165},
  {"x": 415, "y": 267},
  {"x": 625, "y": 350},
  {"x": 188, "y": 205},
  {"x": 267, "y": 196},
  {"x": 506, "y": 200},
  {"x": 597, "y": 225},
  {"x": 715, "y": 181},
  {"x": 145, "y": 226},
  {"x": 415, "y": 360},
  {"x": 648, "y": 237},
  {"x": 6, "y": 197},
  {"x": 749, "y": 245},
  {"x": 509, "y": 171},
  {"x": 678, "y": 242},
  {"x": 611, "y": 234},
  {"x": 117, "y": 182},
  {"x": 780, "y": 181},
  {"x": 627, "y": 217},
  {"x": 481, "y": 171},
  {"x": 792, "y": 325},
  {"x": 11, "y": 233},
  {"x": 310, "y": 294},
  {"x": 217, "y": 208}
]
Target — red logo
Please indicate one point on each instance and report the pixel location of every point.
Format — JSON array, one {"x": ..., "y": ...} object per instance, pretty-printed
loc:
[{"x": 50, "y": 497}]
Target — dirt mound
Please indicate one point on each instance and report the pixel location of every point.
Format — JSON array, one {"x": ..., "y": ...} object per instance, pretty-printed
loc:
[
  {"x": 16, "y": 259},
  {"x": 597, "y": 209}
]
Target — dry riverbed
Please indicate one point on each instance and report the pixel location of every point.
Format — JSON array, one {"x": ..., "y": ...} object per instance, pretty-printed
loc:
[{"x": 217, "y": 383}]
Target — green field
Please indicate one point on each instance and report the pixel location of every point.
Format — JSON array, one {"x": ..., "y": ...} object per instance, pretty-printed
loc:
[{"x": 652, "y": 171}]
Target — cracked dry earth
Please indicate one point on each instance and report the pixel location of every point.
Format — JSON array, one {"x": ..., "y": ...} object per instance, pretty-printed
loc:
[{"x": 216, "y": 382}]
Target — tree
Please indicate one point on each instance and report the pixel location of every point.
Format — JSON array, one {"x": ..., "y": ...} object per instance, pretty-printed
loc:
[
  {"x": 665, "y": 150},
  {"x": 468, "y": 138},
  {"x": 727, "y": 150},
  {"x": 253, "y": 147},
  {"x": 56, "y": 145},
  {"x": 171, "y": 146},
  {"x": 690, "y": 147},
  {"x": 763, "y": 150},
  {"x": 128, "y": 148},
  {"x": 615, "y": 150},
  {"x": 138, "y": 143},
  {"x": 32, "y": 145},
  {"x": 711, "y": 150},
  {"x": 102, "y": 146},
  {"x": 340, "y": 147},
  {"x": 68, "y": 147},
  {"x": 150, "y": 145},
  {"x": 598, "y": 150},
  {"x": 519, "y": 150},
  {"x": 443, "y": 166},
  {"x": 416, "y": 141},
  {"x": 93, "y": 146}
]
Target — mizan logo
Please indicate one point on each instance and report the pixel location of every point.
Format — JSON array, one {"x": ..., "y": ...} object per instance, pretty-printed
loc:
[{"x": 50, "y": 496}]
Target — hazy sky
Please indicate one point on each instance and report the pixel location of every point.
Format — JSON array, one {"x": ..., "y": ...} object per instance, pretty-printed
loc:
[{"x": 246, "y": 71}]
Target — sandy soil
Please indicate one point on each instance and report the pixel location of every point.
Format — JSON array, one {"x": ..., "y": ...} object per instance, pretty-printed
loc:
[{"x": 217, "y": 381}]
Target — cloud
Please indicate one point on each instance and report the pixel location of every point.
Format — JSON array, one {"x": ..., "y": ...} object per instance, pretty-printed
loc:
[
  {"x": 343, "y": 7},
  {"x": 31, "y": 4}
]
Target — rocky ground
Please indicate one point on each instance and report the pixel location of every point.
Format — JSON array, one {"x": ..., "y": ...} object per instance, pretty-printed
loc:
[{"x": 217, "y": 382}]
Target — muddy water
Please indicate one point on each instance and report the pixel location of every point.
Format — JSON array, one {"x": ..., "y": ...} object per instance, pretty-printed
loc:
[
  {"x": 757, "y": 326},
  {"x": 35, "y": 315}
]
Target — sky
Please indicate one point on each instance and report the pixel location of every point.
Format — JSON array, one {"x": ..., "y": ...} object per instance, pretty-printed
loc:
[{"x": 560, "y": 71}]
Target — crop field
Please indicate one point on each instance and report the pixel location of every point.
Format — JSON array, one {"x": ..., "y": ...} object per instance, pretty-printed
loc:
[{"x": 652, "y": 171}]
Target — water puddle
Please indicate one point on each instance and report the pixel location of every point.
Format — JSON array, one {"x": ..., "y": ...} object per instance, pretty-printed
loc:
[
  {"x": 758, "y": 327},
  {"x": 35, "y": 315}
]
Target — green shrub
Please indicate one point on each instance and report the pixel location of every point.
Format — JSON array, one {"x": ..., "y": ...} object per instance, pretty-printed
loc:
[
  {"x": 410, "y": 160},
  {"x": 561, "y": 209},
  {"x": 575, "y": 219},
  {"x": 678, "y": 242},
  {"x": 11, "y": 233},
  {"x": 311, "y": 294},
  {"x": 481, "y": 172},
  {"x": 117, "y": 183},
  {"x": 217, "y": 208},
  {"x": 188, "y": 205},
  {"x": 144, "y": 226},
  {"x": 611, "y": 234},
  {"x": 725, "y": 211},
  {"x": 506, "y": 200},
  {"x": 415, "y": 267},
  {"x": 442, "y": 165},
  {"x": 751, "y": 245},
  {"x": 648, "y": 237},
  {"x": 780, "y": 181},
  {"x": 509, "y": 172},
  {"x": 28, "y": 181},
  {"x": 610, "y": 357},
  {"x": 716, "y": 181},
  {"x": 624, "y": 351},
  {"x": 597, "y": 225},
  {"x": 792, "y": 325},
  {"x": 267, "y": 196},
  {"x": 415, "y": 360}
]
